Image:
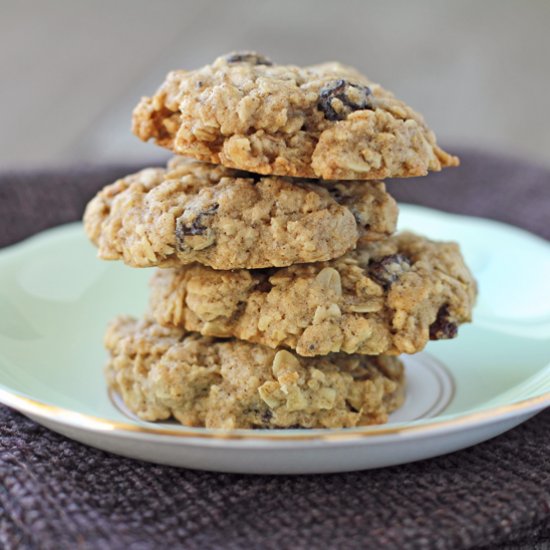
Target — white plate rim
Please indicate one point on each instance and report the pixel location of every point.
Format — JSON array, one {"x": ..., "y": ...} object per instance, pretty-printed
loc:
[{"x": 33, "y": 407}]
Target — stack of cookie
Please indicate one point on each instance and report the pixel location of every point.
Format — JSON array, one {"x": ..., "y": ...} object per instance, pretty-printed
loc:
[{"x": 283, "y": 297}]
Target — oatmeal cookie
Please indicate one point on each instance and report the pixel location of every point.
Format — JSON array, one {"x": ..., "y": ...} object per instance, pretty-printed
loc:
[
  {"x": 226, "y": 219},
  {"x": 388, "y": 297},
  {"x": 324, "y": 121},
  {"x": 165, "y": 372}
]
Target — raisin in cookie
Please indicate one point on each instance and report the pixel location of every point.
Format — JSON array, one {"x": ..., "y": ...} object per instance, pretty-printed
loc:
[
  {"x": 227, "y": 219},
  {"x": 388, "y": 297},
  {"x": 162, "y": 373},
  {"x": 324, "y": 121}
]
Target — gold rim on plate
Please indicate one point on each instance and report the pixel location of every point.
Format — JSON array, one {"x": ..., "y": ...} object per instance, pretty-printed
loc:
[{"x": 27, "y": 405}]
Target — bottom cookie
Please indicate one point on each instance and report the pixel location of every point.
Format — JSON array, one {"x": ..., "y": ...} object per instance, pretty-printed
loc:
[{"x": 164, "y": 373}]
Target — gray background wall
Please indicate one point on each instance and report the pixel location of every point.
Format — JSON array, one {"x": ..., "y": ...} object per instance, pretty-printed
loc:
[{"x": 72, "y": 70}]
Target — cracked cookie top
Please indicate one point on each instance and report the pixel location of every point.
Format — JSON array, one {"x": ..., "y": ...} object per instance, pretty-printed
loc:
[
  {"x": 324, "y": 121},
  {"x": 227, "y": 219}
]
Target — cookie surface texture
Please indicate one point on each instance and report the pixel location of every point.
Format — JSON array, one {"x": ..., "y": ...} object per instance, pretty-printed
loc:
[
  {"x": 324, "y": 121},
  {"x": 226, "y": 219},
  {"x": 385, "y": 297},
  {"x": 162, "y": 373}
]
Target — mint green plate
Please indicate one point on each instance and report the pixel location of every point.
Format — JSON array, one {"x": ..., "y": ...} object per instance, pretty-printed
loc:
[{"x": 56, "y": 299}]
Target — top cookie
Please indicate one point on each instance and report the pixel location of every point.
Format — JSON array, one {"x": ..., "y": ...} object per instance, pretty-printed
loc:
[{"x": 324, "y": 121}]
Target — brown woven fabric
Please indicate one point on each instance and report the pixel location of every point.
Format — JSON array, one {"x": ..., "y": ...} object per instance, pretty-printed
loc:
[{"x": 57, "y": 494}]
